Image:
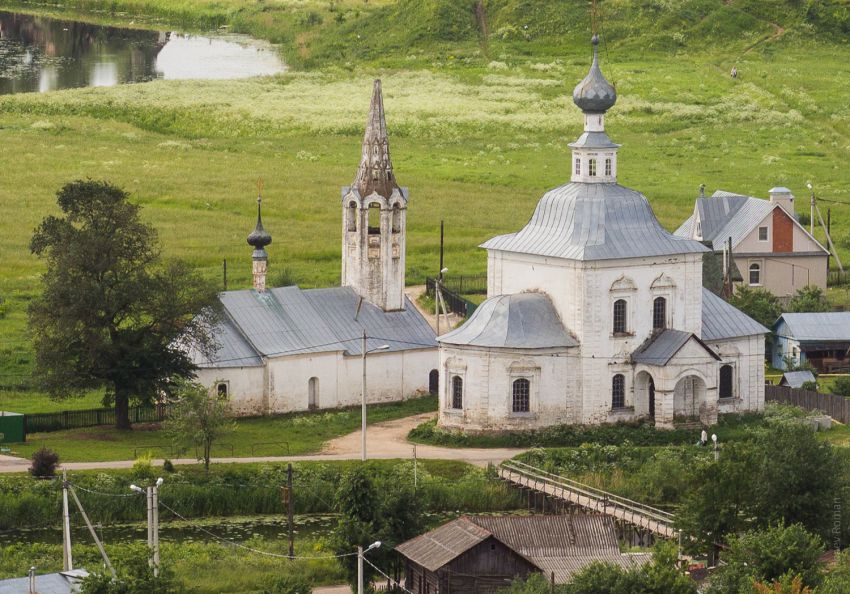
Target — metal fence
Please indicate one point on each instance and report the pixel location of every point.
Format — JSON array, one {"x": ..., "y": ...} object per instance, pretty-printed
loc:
[
  {"x": 455, "y": 302},
  {"x": 466, "y": 285},
  {"x": 837, "y": 407},
  {"x": 75, "y": 419}
]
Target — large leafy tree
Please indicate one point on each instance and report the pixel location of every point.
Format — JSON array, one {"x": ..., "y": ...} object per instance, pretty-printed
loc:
[
  {"x": 113, "y": 313},
  {"x": 809, "y": 299}
]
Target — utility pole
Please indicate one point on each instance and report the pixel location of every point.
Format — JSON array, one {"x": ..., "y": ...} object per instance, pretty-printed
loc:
[
  {"x": 289, "y": 506},
  {"x": 363, "y": 411},
  {"x": 67, "y": 560},
  {"x": 441, "y": 245},
  {"x": 152, "y": 499},
  {"x": 829, "y": 234},
  {"x": 92, "y": 532}
]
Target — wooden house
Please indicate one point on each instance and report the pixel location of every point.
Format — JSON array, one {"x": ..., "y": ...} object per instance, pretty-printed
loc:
[{"x": 485, "y": 553}]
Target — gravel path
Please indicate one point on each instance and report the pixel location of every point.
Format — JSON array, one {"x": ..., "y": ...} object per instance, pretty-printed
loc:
[{"x": 384, "y": 441}]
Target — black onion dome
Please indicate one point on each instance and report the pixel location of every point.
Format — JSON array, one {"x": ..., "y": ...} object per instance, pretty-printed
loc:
[
  {"x": 259, "y": 237},
  {"x": 594, "y": 94}
]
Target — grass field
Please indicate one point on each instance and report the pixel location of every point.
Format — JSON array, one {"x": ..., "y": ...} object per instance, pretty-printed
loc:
[
  {"x": 477, "y": 134},
  {"x": 301, "y": 433}
]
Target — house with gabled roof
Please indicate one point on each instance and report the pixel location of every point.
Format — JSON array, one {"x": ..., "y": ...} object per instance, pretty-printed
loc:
[
  {"x": 769, "y": 246},
  {"x": 485, "y": 553}
]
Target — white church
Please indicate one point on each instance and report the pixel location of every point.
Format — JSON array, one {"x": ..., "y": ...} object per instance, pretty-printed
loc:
[
  {"x": 596, "y": 314},
  {"x": 288, "y": 349}
]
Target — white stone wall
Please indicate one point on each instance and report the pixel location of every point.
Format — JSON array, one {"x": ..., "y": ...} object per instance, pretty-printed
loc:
[
  {"x": 746, "y": 354},
  {"x": 488, "y": 376},
  {"x": 283, "y": 384}
]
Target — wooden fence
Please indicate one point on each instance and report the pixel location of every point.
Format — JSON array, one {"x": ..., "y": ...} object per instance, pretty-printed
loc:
[
  {"x": 837, "y": 407},
  {"x": 75, "y": 419}
]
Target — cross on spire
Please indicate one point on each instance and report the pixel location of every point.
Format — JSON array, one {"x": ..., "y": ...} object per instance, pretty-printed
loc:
[{"x": 375, "y": 173}]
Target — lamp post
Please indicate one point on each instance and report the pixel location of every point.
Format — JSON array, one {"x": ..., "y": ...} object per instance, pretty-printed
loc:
[
  {"x": 716, "y": 451},
  {"x": 365, "y": 352},
  {"x": 152, "y": 494},
  {"x": 360, "y": 553},
  {"x": 811, "y": 208}
]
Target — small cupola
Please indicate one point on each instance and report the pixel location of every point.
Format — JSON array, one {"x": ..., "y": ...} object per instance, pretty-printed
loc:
[
  {"x": 784, "y": 198},
  {"x": 259, "y": 238}
]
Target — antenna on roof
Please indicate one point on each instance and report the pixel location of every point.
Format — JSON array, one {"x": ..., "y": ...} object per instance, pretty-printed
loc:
[{"x": 359, "y": 305}]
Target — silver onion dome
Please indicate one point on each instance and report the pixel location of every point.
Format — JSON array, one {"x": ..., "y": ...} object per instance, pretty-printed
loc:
[{"x": 594, "y": 94}]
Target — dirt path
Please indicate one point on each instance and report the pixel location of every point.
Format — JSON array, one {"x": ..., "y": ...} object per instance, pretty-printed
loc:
[
  {"x": 385, "y": 441},
  {"x": 414, "y": 293}
]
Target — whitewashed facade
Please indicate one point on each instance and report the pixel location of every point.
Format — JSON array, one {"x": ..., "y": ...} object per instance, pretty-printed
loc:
[{"x": 596, "y": 314}]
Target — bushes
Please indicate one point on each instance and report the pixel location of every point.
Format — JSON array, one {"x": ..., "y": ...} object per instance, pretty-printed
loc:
[{"x": 44, "y": 463}]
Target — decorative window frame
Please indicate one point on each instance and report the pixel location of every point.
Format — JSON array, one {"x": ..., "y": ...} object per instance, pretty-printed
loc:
[
  {"x": 760, "y": 264},
  {"x": 662, "y": 286},
  {"x": 629, "y": 330},
  {"x": 450, "y": 370},
  {"x": 530, "y": 372},
  {"x": 735, "y": 380}
]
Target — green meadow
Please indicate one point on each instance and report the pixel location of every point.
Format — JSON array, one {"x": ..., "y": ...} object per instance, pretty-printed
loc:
[{"x": 479, "y": 127}]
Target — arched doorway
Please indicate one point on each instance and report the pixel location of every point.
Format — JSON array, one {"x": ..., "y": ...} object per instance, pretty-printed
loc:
[
  {"x": 688, "y": 397},
  {"x": 313, "y": 393},
  {"x": 644, "y": 395},
  {"x": 434, "y": 382}
]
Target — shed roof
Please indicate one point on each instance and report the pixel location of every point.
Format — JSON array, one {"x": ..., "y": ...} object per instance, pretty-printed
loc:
[
  {"x": 65, "y": 582},
  {"x": 560, "y": 544},
  {"x": 522, "y": 320},
  {"x": 664, "y": 345},
  {"x": 721, "y": 320},
  {"x": 598, "y": 221},
  {"x": 290, "y": 320},
  {"x": 831, "y": 326},
  {"x": 796, "y": 379}
]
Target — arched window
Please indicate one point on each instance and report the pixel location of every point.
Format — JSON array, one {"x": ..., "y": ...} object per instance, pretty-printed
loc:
[
  {"x": 591, "y": 167},
  {"x": 221, "y": 390},
  {"x": 659, "y": 313},
  {"x": 618, "y": 391},
  {"x": 433, "y": 381},
  {"x": 521, "y": 395},
  {"x": 726, "y": 374},
  {"x": 755, "y": 273},
  {"x": 457, "y": 392},
  {"x": 620, "y": 316},
  {"x": 374, "y": 219},
  {"x": 313, "y": 393},
  {"x": 351, "y": 215},
  {"x": 396, "y": 219}
]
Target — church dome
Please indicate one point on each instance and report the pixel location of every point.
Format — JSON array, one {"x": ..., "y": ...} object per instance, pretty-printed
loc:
[
  {"x": 259, "y": 237},
  {"x": 594, "y": 94}
]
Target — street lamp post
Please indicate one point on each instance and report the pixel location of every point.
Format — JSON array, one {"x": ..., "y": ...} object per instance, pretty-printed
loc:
[
  {"x": 716, "y": 451},
  {"x": 364, "y": 352},
  {"x": 152, "y": 494},
  {"x": 438, "y": 295},
  {"x": 360, "y": 553}
]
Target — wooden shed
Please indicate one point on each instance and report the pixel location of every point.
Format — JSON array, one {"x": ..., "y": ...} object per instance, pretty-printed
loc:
[{"x": 485, "y": 553}]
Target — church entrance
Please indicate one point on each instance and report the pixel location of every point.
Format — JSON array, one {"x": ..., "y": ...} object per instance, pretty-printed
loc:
[
  {"x": 433, "y": 382},
  {"x": 644, "y": 395},
  {"x": 651, "y": 398},
  {"x": 688, "y": 397},
  {"x": 313, "y": 393}
]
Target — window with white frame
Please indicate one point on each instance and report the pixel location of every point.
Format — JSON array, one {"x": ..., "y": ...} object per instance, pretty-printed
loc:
[
  {"x": 659, "y": 313},
  {"x": 578, "y": 166},
  {"x": 457, "y": 392},
  {"x": 620, "y": 318},
  {"x": 762, "y": 233},
  {"x": 755, "y": 273},
  {"x": 608, "y": 166},
  {"x": 591, "y": 167}
]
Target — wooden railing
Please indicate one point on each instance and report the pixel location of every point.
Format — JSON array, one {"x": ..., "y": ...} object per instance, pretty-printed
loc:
[
  {"x": 837, "y": 407},
  {"x": 656, "y": 520}
]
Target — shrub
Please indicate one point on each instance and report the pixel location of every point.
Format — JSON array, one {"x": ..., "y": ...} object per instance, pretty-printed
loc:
[
  {"x": 44, "y": 463},
  {"x": 142, "y": 467},
  {"x": 168, "y": 465},
  {"x": 288, "y": 584},
  {"x": 841, "y": 386}
]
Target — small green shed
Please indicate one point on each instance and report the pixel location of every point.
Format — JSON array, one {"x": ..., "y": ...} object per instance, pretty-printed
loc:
[{"x": 12, "y": 427}]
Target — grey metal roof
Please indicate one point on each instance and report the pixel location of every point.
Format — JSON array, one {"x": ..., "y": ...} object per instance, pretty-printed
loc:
[
  {"x": 796, "y": 379},
  {"x": 779, "y": 190},
  {"x": 663, "y": 346},
  {"x": 594, "y": 140},
  {"x": 598, "y": 221},
  {"x": 64, "y": 582},
  {"x": 562, "y": 544},
  {"x": 522, "y": 320},
  {"x": 720, "y": 320},
  {"x": 289, "y": 320},
  {"x": 824, "y": 327}
]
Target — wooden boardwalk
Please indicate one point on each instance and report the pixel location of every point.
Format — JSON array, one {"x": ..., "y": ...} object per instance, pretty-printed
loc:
[{"x": 649, "y": 518}]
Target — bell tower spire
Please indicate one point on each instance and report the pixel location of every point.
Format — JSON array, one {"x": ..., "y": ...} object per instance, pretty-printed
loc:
[
  {"x": 594, "y": 155},
  {"x": 259, "y": 238},
  {"x": 374, "y": 219}
]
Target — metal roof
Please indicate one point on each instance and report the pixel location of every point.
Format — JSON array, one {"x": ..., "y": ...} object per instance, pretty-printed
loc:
[
  {"x": 720, "y": 320},
  {"x": 796, "y": 379},
  {"x": 664, "y": 345},
  {"x": 594, "y": 94},
  {"x": 598, "y": 221},
  {"x": 594, "y": 140},
  {"x": 289, "y": 320},
  {"x": 522, "y": 320},
  {"x": 65, "y": 582},
  {"x": 562, "y": 544},
  {"x": 825, "y": 326}
]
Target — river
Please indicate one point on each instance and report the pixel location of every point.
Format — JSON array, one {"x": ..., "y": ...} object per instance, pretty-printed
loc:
[{"x": 40, "y": 54}]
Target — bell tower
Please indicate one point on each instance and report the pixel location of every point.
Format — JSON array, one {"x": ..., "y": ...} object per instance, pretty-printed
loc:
[{"x": 374, "y": 219}]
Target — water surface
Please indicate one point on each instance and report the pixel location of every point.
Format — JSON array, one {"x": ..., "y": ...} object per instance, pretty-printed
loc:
[{"x": 39, "y": 54}]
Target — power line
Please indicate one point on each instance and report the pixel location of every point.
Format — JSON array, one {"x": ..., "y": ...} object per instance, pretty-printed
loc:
[{"x": 376, "y": 568}]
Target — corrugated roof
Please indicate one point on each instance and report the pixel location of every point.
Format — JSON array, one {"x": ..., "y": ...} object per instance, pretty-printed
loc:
[
  {"x": 721, "y": 320},
  {"x": 522, "y": 320},
  {"x": 599, "y": 221},
  {"x": 663, "y": 346},
  {"x": 561, "y": 544},
  {"x": 825, "y": 326},
  {"x": 49, "y": 583},
  {"x": 796, "y": 379},
  {"x": 289, "y": 320}
]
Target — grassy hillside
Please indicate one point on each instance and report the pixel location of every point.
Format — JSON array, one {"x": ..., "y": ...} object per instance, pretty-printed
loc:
[{"x": 479, "y": 126}]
